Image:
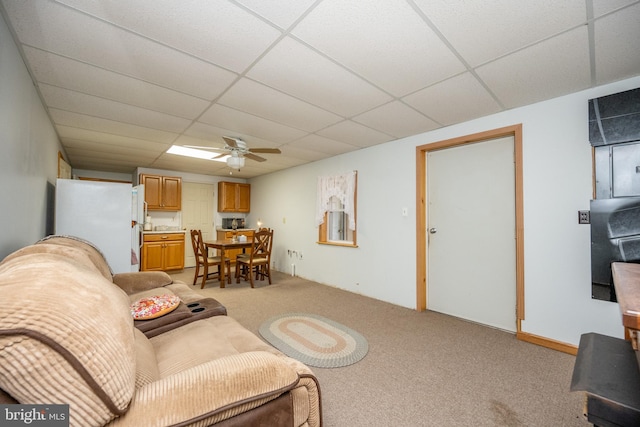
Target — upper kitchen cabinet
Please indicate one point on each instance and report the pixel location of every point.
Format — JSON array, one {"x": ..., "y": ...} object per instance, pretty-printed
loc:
[
  {"x": 162, "y": 193},
  {"x": 234, "y": 197}
]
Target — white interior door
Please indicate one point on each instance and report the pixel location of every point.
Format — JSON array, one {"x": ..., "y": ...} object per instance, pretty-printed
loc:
[
  {"x": 471, "y": 254},
  {"x": 197, "y": 214}
]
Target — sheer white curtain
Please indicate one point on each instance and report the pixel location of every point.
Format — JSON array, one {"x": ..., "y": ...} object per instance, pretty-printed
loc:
[{"x": 341, "y": 186}]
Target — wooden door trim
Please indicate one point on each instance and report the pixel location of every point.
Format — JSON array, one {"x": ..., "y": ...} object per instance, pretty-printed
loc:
[{"x": 421, "y": 210}]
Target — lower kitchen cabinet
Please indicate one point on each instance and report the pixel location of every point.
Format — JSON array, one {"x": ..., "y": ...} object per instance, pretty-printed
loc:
[{"x": 163, "y": 252}]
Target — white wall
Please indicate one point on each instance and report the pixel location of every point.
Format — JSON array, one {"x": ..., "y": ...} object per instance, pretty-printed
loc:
[
  {"x": 557, "y": 183},
  {"x": 28, "y": 153}
]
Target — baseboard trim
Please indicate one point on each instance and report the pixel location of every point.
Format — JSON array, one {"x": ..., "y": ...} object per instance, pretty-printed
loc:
[{"x": 549, "y": 343}]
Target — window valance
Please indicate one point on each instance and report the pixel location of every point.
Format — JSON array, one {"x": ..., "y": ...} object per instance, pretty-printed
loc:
[{"x": 342, "y": 187}]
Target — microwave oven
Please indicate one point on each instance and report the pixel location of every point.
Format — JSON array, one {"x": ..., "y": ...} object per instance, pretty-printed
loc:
[{"x": 227, "y": 223}]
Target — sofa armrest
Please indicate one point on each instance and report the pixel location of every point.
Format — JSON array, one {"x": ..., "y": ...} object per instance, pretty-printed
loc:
[
  {"x": 140, "y": 281},
  {"x": 213, "y": 391}
]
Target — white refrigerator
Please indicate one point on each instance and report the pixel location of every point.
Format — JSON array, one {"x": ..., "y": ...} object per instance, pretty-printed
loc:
[{"x": 108, "y": 214}]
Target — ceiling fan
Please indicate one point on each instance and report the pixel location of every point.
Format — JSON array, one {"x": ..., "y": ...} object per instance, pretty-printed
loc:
[{"x": 237, "y": 150}]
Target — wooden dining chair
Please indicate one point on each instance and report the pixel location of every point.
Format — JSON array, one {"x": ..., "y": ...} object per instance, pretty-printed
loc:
[
  {"x": 257, "y": 262},
  {"x": 205, "y": 261}
]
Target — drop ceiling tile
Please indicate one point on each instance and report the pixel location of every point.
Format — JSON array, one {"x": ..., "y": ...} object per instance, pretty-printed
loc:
[
  {"x": 385, "y": 42},
  {"x": 240, "y": 122},
  {"x": 77, "y": 102},
  {"x": 484, "y": 30},
  {"x": 455, "y": 100},
  {"x": 546, "y": 70},
  {"x": 83, "y": 158},
  {"x": 355, "y": 134},
  {"x": 334, "y": 88},
  {"x": 98, "y": 151},
  {"x": 262, "y": 101},
  {"x": 291, "y": 150},
  {"x": 616, "y": 45},
  {"x": 600, "y": 7},
  {"x": 397, "y": 119},
  {"x": 221, "y": 32},
  {"x": 283, "y": 14},
  {"x": 323, "y": 145},
  {"x": 74, "y": 137},
  {"x": 282, "y": 161},
  {"x": 82, "y": 121},
  {"x": 106, "y": 46},
  {"x": 80, "y": 77}
]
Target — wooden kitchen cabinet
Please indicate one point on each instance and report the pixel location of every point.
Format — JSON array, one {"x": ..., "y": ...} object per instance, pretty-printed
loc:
[
  {"x": 228, "y": 235},
  {"x": 234, "y": 197},
  {"x": 162, "y": 193},
  {"x": 163, "y": 252}
]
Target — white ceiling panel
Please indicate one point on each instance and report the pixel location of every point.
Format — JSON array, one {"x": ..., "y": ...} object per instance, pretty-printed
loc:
[
  {"x": 80, "y": 77},
  {"x": 549, "y": 69},
  {"x": 601, "y": 7},
  {"x": 355, "y": 134},
  {"x": 386, "y": 42},
  {"x": 292, "y": 151},
  {"x": 107, "y": 152},
  {"x": 617, "y": 42},
  {"x": 248, "y": 124},
  {"x": 77, "y": 102},
  {"x": 334, "y": 88},
  {"x": 82, "y": 121},
  {"x": 58, "y": 29},
  {"x": 233, "y": 42},
  {"x": 455, "y": 100},
  {"x": 484, "y": 30},
  {"x": 323, "y": 145},
  {"x": 283, "y": 14},
  {"x": 268, "y": 103},
  {"x": 397, "y": 119},
  {"x": 123, "y": 80},
  {"x": 75, "y": 137}
]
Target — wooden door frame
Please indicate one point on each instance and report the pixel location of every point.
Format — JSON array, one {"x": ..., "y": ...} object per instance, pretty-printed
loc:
[{"x": 421, "y": 210}]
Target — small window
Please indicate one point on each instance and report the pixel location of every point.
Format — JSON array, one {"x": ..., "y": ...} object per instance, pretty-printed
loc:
[
  {"x": 336, "y": 207},
  {"x": 338, "y": 223}
]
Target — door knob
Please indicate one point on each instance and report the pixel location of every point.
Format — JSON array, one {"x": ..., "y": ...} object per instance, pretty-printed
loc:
[{"x": 433, "y": 230}]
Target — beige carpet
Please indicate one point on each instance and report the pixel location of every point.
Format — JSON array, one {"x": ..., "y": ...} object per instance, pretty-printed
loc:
[{"x": 422, "y": 369}]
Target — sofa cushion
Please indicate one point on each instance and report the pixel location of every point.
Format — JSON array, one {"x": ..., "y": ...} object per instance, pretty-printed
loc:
[
  {"x": 199, "y": 342},
  {"x": 95, "y": 255},
  {"x": 146, "y": 363},
  {"x": 70, "y": 340},
  {"x": 140, "y": 281}
]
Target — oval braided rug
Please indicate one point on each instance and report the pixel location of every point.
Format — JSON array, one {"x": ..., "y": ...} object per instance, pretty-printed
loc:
[{"x": 314, "y": 340}]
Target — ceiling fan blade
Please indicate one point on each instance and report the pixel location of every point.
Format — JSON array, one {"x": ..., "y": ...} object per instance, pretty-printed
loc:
[
  {"x": 254, "y": 157},
  {"x": 219, "y": 156},
  {"x": 265, "y": 150},
  {"x": 231, "y": 142}
]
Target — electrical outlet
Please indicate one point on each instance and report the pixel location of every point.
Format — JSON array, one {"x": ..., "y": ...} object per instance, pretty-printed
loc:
[
  {"x": 584, "y": 217},
  {"x": 300, "y": 255}
]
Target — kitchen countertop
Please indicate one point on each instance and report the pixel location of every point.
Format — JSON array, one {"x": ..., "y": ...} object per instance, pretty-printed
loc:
[
  {"x": 163, "y": 231},
  {"x": 239, "y": 229}
]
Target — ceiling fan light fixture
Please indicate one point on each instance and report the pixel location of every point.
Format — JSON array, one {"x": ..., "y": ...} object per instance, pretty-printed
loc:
[{"x": 235, "y": 162}]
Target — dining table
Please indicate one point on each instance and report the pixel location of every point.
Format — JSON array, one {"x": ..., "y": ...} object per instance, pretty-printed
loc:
[{"x": 224, "y": 245}]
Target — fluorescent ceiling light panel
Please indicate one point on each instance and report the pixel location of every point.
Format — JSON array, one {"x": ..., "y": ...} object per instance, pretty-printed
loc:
[{"x": 193, "y": 152}]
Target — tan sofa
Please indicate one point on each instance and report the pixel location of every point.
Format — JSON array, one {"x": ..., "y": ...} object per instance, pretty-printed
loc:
[{"x": 67, "y": 336}]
